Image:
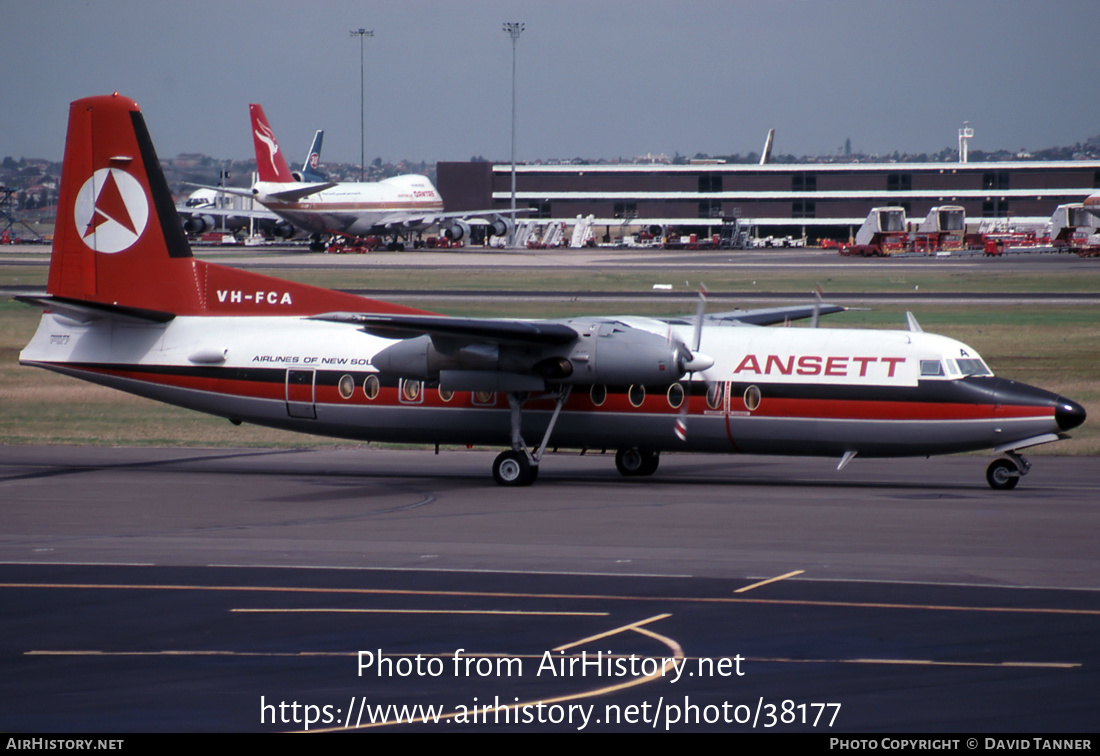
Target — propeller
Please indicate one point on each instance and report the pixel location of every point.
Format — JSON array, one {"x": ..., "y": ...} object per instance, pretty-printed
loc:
[
  {"x": 818, "y": 299},
  {"x": 692, "y": 361}
]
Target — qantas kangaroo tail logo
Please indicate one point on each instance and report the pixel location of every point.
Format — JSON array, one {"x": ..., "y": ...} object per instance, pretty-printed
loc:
[
  {"x": 118, "y": 239},
  {"x": 270, "y": 163}
]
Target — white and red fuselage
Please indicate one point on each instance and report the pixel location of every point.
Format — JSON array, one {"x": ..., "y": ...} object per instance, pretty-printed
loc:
[
  {"x": 129, "y": 307},
  {"x": 354, "y": 209},
  {"x": 817, "y": 391}
]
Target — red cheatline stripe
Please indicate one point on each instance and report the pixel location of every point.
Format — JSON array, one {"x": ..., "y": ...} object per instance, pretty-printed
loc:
[
  {"x": 346, "y": 206},
  {"x": 833, "y": 409}
]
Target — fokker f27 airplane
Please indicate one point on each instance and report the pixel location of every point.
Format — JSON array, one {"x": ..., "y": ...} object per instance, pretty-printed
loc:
[
  {"x": 127, "y": 306},
  {"x": 395, "y": 206}
]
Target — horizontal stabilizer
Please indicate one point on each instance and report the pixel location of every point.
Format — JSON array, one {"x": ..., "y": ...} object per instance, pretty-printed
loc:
[
  {"x": 86, "y": 312},
  {"x": 293, "y": 195}
]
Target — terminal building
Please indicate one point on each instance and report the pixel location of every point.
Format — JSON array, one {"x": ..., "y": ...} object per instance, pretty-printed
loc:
[{"x": 807, "y": 200}]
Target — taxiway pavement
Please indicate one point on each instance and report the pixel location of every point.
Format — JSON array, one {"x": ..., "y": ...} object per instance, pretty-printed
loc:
[{"x": 198, "y": 589}]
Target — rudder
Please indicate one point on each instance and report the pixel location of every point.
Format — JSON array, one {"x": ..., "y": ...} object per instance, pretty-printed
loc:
[
  {"x": 270, "y": 163},
  {"x": 118, "y": 239}
]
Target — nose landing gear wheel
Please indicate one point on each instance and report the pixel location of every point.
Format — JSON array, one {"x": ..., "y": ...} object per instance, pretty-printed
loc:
[
  {"x": 1002, "y": 475},
  {"x": 634, "y": 462},
  {"x": 512, "y": 468}
]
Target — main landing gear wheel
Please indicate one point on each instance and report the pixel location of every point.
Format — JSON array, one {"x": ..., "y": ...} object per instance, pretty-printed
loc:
[
  {"x": 1002, "y": 474},
  {"x": 635, "y": 462},
  {"x": 512, "y": 468}
]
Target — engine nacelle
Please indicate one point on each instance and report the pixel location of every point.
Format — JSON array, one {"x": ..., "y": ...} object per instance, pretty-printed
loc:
[
  {"x": 617, "y": 354},
  {"x": 199, "y": 224},
  {"x": 283, "y": 230},
  {"x": 610, "y": 353},
  {"x": 501, "y": 226},
  {"x": 457, "y": 230},
  {"x": 418, "y": 358}
]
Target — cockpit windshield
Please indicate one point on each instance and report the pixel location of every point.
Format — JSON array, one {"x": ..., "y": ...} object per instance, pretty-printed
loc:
[{"x": 973, "y": 367}]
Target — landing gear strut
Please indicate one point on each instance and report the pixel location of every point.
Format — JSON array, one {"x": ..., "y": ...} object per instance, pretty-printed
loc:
[
  {"x": 519, "y": 466},
  {"x": 637, "y": 462},
  {"x": 1003, "y": 474}
]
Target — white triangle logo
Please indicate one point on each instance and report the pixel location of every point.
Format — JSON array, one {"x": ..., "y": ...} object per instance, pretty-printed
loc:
[{"x": 111, "y": 210}]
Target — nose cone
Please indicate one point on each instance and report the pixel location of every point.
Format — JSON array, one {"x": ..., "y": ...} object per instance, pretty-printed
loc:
[{"x": 1068, "y": 414}]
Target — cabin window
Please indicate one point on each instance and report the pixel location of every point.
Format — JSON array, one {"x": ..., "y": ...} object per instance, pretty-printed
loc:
[
  {"x": 752, "y": 398},
  {"x": 485, "y": 398},
  {"x": 410, "y": 390},
  {"x": 598, "y": 394},
  {"x": 346, "y": 386},
  {"x": 675, "y": 395},
  {"x": 446, "y": 394},
  {"x": 636, "y": 394},
  {"x": 370, "y": 386},
  {"x": 930, "y": 367}
]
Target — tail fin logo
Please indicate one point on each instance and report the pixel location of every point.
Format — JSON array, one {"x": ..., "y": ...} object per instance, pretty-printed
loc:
[
  {"x": 264, "y": 134},
  {"x": 314, "y": 160},
  {"x": 111, "y": 211}
]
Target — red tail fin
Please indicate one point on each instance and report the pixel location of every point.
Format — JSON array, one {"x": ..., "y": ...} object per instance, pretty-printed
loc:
[
  {"x": 117, "y": 227},
  {"x": 119, "y": 242},
  {"x": 270, "y": 162}
]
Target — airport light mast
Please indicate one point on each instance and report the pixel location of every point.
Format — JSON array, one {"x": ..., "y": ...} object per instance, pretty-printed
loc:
[
  {"x": 965, "y": 135},
  {"x": 514, "y": 29},
  {"x": 361, "y": 33}
]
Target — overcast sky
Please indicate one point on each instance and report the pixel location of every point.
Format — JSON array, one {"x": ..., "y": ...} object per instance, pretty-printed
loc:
[{"x": 596, "y": 79}]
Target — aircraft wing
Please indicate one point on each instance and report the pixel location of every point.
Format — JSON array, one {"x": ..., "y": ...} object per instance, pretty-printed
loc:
[
  {"x": 522, "y": 332},
  {"x": 539, "y": 333},
  {"x": 290, "y": 195},
  {"x": 484, "y": 354},
  {"x": 763, "y": 316},
  {"x": 772, "y": 315},
  {"x": 236, "y": 191},
  {"x": 228, "y": 212}
]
